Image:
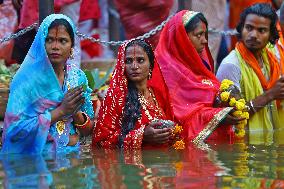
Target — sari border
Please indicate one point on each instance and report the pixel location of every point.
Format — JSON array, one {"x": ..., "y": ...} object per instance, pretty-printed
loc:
[{"x": 211, "y": 126}]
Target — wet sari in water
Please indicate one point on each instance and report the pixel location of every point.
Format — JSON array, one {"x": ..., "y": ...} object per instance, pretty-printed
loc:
[
  {"x": 108, "y": 127},
  {"x": 34, "y": 92},
  {"x": 191, "y": 82}
]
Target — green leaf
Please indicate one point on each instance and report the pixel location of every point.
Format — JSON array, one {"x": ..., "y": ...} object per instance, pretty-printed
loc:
[
  {"x": 84, "y": 87},
  {"x": 91, "y": 81}
]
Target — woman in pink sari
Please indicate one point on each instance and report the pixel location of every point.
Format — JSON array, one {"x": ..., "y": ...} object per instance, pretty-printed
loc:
[{"x": 188, "y": 70}]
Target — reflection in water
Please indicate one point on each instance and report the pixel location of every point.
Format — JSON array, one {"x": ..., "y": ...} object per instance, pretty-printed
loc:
[
  {"x": 25, "y": 172},
  {"x": 257, "y": 162},
  {"x": 47, "y": 171},
  {"x": 135, "y": 169},
  {"x": 189, "y": 168}
]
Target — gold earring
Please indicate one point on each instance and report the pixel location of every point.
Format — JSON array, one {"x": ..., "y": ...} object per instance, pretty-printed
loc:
[{"x": 71, "y": 54}]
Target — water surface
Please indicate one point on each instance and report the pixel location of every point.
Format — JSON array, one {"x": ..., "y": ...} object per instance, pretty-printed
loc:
[{"x": 255, "y": 162}]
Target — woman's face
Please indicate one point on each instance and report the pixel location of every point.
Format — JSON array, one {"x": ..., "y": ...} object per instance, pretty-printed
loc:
[
  {"x": 58, "y": 45},
  {"x": 137, "y": 64},
  {"x": 198, "y": 37}
]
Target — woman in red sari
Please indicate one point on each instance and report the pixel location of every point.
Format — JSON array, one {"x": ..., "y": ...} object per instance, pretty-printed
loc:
[
  {"x": 188, "y": 70},
  {"x": 134, "y": 102}
]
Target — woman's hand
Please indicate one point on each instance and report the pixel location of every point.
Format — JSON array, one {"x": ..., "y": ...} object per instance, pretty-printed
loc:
[
  {"x": 73, "y": 140},
  {"x": 156, "y": 136},
  {"x": 81, "y": 118},
  {"x": 72, "y": 101},
  {"x": 231, "y": 120}
]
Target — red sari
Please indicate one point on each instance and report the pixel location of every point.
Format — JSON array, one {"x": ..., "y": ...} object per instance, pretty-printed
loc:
[
  {"x": 192, "y": 86},
  {"x": 108, "y": 128}
]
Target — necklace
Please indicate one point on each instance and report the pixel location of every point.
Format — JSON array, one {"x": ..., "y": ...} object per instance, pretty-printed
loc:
[
  {"x": 146, "y": 105},
  {"x": 261, "y": 62}
]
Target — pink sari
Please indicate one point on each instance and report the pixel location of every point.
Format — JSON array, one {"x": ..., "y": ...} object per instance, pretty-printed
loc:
[{"x": 191, "y": 85}]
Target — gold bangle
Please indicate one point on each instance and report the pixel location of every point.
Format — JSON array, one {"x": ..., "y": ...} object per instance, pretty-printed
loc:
[{"x": 87, "y": 120}]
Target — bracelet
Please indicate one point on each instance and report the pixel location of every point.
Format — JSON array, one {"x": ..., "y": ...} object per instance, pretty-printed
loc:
[
  {"x": 83, "y": 125},
  {"x": 252, "y": 107},
  {"x": 247, "y": 108}
]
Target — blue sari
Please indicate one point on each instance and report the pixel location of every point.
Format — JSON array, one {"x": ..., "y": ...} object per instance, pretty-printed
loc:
[{"x": 34, "y": 92}]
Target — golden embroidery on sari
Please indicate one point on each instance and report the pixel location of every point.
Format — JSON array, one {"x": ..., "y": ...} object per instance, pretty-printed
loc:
[
  {"x": 60, "y": 127},
  {"x": 212, "y": 125},
  {"x": 207, "y": 82},
  {"x": 188, "y": 16}
]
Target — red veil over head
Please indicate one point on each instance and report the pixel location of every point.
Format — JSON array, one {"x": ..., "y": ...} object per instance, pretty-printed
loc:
[
  {"x": 108, "y": 126},
  {"x": 192, "y": 87}
]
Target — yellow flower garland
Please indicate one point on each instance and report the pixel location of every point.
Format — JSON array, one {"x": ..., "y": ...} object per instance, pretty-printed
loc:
[{"x": 240, "y": 106}]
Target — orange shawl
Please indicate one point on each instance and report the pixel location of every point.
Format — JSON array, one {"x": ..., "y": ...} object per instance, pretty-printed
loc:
[{"x": 253, "y": 63}]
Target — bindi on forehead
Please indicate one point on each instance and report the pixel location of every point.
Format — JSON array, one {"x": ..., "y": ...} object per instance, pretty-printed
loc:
[
  {"x": 135, "y": 51},
  {"x": 58, "y": 31}
]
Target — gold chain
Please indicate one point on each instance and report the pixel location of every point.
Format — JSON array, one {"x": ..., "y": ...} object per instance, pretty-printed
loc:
[{"x": 144, "y": 103}]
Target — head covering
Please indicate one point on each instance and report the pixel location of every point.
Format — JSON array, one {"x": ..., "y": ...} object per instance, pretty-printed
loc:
[
  {"x": 108, "y": 127},
  {"x": 187, "y": 17},
  {"x": 192, "y": 86},
  {"x": 34, "y": 92}
]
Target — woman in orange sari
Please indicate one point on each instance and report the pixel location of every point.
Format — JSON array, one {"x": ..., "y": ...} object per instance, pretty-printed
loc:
[
  {"x": 135, "y": 110},
  {"x": 188, "y": 70}
]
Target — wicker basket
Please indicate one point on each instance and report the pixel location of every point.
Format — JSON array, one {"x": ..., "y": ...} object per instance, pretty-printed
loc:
[{"x": 4, "y": 93}]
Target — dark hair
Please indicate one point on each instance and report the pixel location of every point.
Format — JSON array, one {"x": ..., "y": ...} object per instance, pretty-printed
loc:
[
  {"x": 132, "y": 109},
  {"x": 263, "y": 10},
  {"x": 192, "y": 24},
  {"x": 66, "y": 24},
  {"x": 147, "y": 48}
]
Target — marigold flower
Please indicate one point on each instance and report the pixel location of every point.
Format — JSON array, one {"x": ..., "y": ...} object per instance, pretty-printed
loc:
[
  {"x": 240, "y": 105},
  {"x": 232, "y": 102},
  {"x": 244, "y": 122},
  {"x": 177, "y": 129},
  {"x": 228, "y": 81},
  {"x": 225, "y": 84},
  {"x": 224, "y": 87},
  {"x": 179, "y": 145},
  {"x": 242, "y": 100},
  {"x": 240, "y": 133},
  {"x": 225, "y": 96},
  {"x": 245, "y": 115},
  {"x": 240, "y": 126},
  {"x": 237, "y": 113}
]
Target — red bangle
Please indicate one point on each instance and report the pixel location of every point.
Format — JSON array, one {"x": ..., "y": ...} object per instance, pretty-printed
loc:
[{"x": 83, "y": 125}]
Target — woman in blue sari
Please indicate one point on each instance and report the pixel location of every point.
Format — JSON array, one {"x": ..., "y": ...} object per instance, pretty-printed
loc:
[{"x": 48, "y": 101}]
